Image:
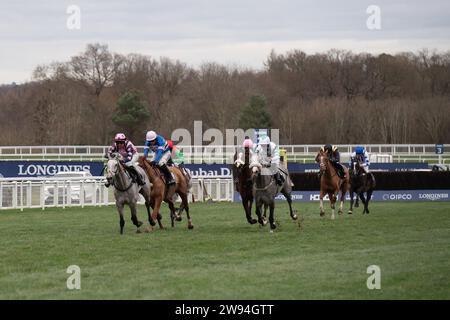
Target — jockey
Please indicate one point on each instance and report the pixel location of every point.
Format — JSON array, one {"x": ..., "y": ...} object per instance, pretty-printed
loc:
[
  {"x": 246, "y": 153},
  {"x": 176, "y": 155},
  {"x": 268, "y": 155},
  {"x": 128, "y": 151},
  {"x": 334, "y": 156},
  {"x": 161, "y": 153},
  {"x": 361, "y": 154}
]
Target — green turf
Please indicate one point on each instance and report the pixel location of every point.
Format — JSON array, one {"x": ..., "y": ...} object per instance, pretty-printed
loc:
[{"x": 226, "y": 258}]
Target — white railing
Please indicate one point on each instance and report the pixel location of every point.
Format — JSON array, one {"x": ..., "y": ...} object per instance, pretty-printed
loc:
[
  {"x": 224, "y": 154},
  {"x": 44, "y": 192}
]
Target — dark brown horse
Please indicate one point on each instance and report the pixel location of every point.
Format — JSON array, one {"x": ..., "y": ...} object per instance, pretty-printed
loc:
[
  {"x": 243, "y": 176},
  {"x": 361, "y": 182},
  {"x": 161, "y": 192},
  {"x": 331, "y": 183}
]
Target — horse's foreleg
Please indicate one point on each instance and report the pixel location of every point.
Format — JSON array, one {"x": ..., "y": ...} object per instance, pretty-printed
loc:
[
  {"x": 364, "y": 201},
  {"x": 289, "y": 201},
  {"x": 258, "y": 206},
  {"x": 332, "y": 197},
  {"x": 150, "y": 220},
  {"x": 185, "y": 205},
  {"x": 322, "y": 212},
  {"x": 134, "y": 218},
  {"x": 172, "y": 213},
  {"x": 121, "y": 220},
  {"x": 369, "y": 196},
  {"x": 341, "y": 201},
  {"x": 156, "y": 214},
  {"x": 250, "y": 204},
  {"x": 271, "y": 216},
  {"x": 350, "y": 211},
  {"x": 246, "y": 205}
]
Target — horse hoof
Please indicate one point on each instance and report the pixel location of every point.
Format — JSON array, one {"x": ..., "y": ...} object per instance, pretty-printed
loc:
[
  {"x": 272, "y": 227},
  {"x": 252, "y": 221},
  {"x": 140, "y": 223},
  {"x": 190, "y": 227},
  {"x": 138, "y": 231},
  {"x": 350, "y": 212},
  {"x": 178, "y": 218},
  {"x": 294, "y": 217},
  {"x": 271, "y": 231},
  {"x": 322, "y": 214},
  {"x": 340, "y": 212}
]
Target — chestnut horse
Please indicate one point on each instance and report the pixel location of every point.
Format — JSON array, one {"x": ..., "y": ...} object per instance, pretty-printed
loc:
[
  {"x": 161, "y": 192},
  {"x": 331, "y": 183}
]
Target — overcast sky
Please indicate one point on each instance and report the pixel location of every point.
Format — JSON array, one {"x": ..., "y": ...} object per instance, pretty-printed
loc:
[{"x": 240, "y": 32}]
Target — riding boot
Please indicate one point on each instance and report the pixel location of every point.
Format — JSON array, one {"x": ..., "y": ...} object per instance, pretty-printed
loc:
[
  {"x": 279, "y": 178},
  {"x": 136, "y": 176},
  {"x": 167, "y": 174}
]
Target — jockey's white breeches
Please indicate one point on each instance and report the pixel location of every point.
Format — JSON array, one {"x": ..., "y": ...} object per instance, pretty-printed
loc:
[{"x": 133, "y": 160}]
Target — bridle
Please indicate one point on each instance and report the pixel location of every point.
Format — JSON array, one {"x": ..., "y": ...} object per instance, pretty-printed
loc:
[
  {"x": 324, "y": 161},
  {"x": 115, "y": 173}
]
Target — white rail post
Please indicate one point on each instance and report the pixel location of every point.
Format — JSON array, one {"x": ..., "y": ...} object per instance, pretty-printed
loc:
[{"x": 14, "y": 196}]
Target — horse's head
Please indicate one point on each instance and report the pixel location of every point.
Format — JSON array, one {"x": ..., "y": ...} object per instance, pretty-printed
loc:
[
  {"x": 112, "y": 168},
  {"x": 323, "y": 161},
  {"x": 256, "y": 169}
]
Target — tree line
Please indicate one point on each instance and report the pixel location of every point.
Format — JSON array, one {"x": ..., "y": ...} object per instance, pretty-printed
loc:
[{"x": 333, "y": 97}]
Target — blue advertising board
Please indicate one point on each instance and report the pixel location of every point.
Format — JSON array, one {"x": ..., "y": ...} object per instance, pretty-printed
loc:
[
  {"x": 47, "y": 168},
  {"x": 314, "y": 167},
  {"x": 378, "y": 195},
  {"x": 205, "y": 170}
]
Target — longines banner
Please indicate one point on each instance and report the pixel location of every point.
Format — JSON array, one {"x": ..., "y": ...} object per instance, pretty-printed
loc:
[
  {"x": 49, "y": 168},
  {"x": 10, "y": 169},
  {"x": 378, "y": 195}
]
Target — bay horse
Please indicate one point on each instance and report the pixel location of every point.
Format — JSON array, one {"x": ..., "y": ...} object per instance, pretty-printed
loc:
[
  {"x": 126, "y": 191},
  {"x": 331, "y": 183},
  {"x": 244, "y": 185},
  {"x": 361, "y": 182},
  {"x": 161, "y": 192}
]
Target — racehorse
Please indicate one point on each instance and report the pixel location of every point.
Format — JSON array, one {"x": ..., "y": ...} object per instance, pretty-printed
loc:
[
  {"x": 160, "y": 192},
  {"x": 244, "y": 186},
  {"x": 331, "y": 183},
  {"x": 361, "y": 182},
  {"x": 265, "y": 189},
  {"x": 126, "y": 191}
]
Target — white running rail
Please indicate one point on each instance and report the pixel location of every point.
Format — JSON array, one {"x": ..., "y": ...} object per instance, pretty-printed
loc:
[
  {"x": 45, "y": 192},
  {"x": 224, "y": 154}
]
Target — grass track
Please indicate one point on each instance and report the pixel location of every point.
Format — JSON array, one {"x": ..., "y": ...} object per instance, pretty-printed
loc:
[{"x": 226, "y": 258}]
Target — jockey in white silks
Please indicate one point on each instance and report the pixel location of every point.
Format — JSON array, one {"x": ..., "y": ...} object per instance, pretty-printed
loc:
[{"x": 267, "y": 154}]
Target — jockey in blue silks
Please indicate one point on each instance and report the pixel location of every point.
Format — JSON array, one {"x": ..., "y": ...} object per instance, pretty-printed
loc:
[
  {"x": 161, "y": 153},
  {"x": 361, "y": 154}
]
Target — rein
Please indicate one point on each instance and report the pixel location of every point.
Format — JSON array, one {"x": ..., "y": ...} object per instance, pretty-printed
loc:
[
  {"x": 114, "y": 180},
  {"x": 272, "y": 180},
  {"x": 326, "y": 167}
]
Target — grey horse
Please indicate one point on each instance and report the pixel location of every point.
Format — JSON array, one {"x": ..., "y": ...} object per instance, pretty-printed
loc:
[
  {"x": 265, "y": 189},
  {"x": 126, "y": 191}
]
